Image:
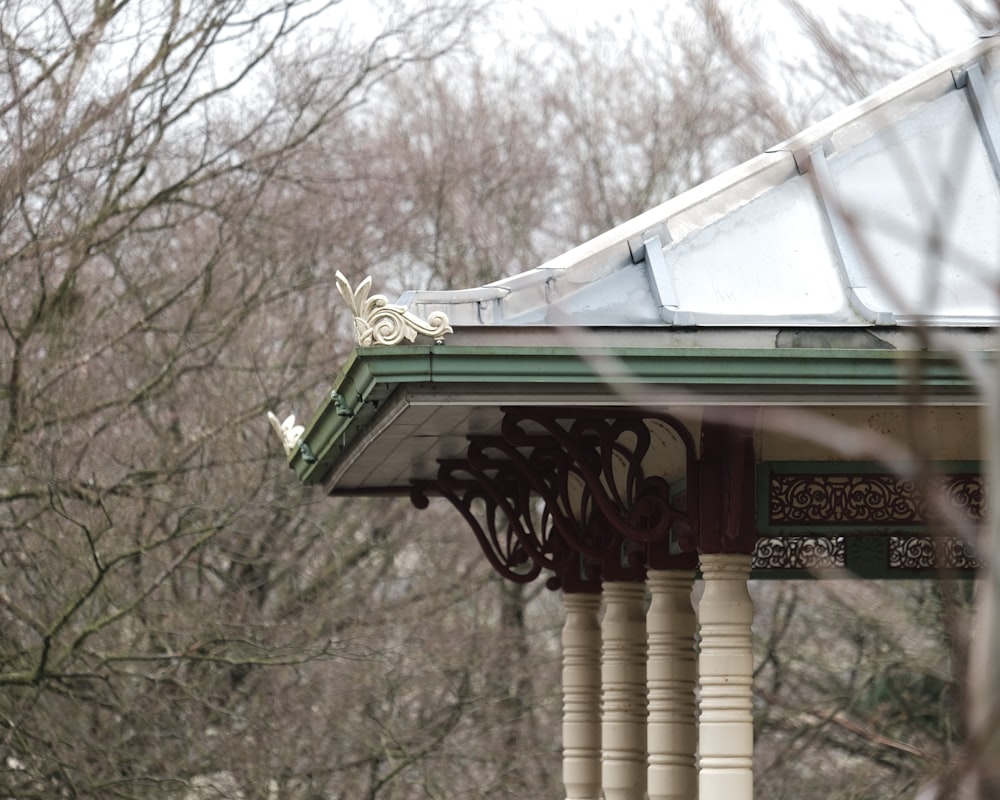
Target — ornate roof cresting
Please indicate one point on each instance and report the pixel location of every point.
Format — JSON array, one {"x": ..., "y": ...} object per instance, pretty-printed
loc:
[
  {"x": 290, "y": 433},
  {"x": 376, "y": 321}
]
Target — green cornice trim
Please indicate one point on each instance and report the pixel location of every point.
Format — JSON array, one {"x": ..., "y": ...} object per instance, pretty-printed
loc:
[
  {"x": 703, "y": 366},
  {"x": 371, "y": 374}
]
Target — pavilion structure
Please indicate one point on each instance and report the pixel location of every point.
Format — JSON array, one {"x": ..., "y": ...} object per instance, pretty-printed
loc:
[{"x": 771, "y": 375}]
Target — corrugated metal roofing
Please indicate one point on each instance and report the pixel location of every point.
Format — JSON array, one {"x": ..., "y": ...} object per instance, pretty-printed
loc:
[{"x": 885, "y": 214}]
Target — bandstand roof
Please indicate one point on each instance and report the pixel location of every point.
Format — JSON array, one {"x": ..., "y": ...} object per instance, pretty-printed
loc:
[{"x": 818, "y": 273}]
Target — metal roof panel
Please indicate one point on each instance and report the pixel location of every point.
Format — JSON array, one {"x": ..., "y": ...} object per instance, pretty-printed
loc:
[{"x": 899, "y": 228}]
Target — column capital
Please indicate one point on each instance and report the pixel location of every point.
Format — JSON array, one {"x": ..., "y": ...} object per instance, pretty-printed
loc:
[{"x": 733, "y": 565}]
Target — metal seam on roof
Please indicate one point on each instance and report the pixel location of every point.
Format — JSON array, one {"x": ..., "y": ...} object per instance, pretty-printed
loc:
[
  {"x": 985, "y": 112},
  {"x": 847, "y": 258}
]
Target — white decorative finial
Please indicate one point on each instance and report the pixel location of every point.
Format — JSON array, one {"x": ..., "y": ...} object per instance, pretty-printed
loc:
[
  {"x": 378, "y": 322},
  {"x": 290, "y": 433}
]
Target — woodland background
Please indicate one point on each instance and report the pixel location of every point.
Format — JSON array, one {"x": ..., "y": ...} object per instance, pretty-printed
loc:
[{"x": 179, "y": 182}]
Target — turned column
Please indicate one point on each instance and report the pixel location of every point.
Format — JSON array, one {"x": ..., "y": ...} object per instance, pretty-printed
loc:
[
  {"x": 623, "y": 678},
  {"x": 725, "y": 669},
  {"x": 581, "y": 689},
  {"x": 672, "y": 734}
]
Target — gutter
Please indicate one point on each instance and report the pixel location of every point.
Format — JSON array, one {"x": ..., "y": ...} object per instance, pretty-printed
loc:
[{"x": 491, "y": 376}]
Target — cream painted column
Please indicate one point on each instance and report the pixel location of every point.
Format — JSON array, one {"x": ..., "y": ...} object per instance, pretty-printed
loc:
[
  {"x": 725, "y": 670},
  {"x": 623, "y": 678},
  {"x": 671, "y": 676},
  {"x": 581, "y": 688}
]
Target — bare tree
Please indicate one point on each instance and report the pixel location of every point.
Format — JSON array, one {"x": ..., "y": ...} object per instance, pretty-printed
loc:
[{"x": 158, "y": 575}]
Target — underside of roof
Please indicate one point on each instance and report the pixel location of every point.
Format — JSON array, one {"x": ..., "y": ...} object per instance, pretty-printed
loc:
[
  {"x": 809, "y": 276},
  {"x": 397, "y": 412}
]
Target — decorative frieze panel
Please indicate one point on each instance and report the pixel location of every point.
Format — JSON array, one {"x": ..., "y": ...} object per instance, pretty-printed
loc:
[
  {"x": 853, "y": 517},
  {"x": 808, "y": 553},
  {"x": 870, "y": 500},
  {"x": 865, "y": 556},
  {"x": 931, "y": 553}
]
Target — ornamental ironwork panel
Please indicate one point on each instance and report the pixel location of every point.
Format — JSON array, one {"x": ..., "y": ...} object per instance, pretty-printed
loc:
[
  {"x": 516, "y": 533},
  {"x": 600, "y": 469},
  {"x": 794, "y": 553},
  {"x": 583, "y": 494},
  {"x": 931, "y": 553},
  {"x": 863, "y": 520},
  {"x": 879, "y": 500}
]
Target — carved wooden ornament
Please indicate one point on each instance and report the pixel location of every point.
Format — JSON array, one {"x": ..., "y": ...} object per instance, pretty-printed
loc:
[
  {"x": 376, "y": 321},
  {"x": 290, "y": 433}
]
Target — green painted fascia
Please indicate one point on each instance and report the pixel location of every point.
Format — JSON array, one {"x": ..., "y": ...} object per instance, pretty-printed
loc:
[
  {"x": 697, "y": 366},
  {"x": 371, "y": 374}
]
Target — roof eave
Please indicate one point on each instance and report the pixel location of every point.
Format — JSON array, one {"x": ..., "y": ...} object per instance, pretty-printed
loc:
[{"x": 499, "y": 376}]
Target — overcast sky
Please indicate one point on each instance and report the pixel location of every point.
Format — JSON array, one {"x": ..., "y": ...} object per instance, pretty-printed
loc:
[{"x": 940, "y": 16}]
